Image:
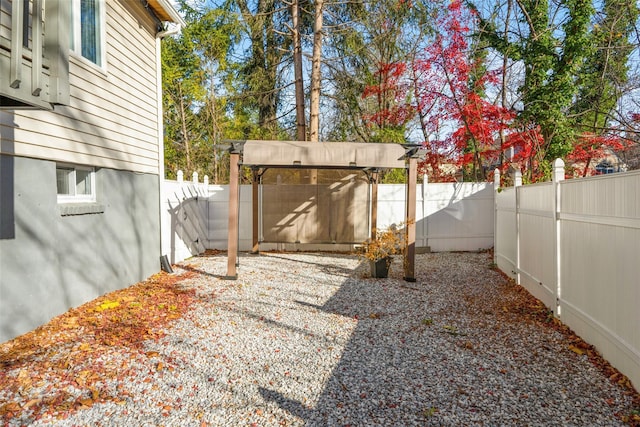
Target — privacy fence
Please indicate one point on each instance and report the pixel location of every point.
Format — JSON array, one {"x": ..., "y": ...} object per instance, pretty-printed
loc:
[
  {"x": 449, "y": 217},
  {"x": 575, "y": 245}
]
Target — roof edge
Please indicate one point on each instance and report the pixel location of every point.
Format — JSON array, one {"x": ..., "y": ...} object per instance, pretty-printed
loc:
[{"x": 166, "y": 12}]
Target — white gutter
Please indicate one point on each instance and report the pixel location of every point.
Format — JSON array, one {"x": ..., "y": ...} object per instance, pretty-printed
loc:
[
  {"x": 170, "y": 32},
  {"x": 164, "y": 249},
  {"x": 172, "y": 12}
]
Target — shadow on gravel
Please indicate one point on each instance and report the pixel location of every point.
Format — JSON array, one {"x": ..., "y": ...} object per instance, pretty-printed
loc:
[
  {"x": 329, "y": 267},
  {"x": 383, "y": 376},
  {"x": 452, "y": 349}
]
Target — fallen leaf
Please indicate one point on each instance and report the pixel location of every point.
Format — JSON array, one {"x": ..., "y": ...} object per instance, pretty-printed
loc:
[
  {"x": 31, "y": 403},
  {"x": 9, "y": 407},
  {"x": 86, "y": 402},
  {"x": 107, "y": 305},
  {"x": 576, "y": 350}
]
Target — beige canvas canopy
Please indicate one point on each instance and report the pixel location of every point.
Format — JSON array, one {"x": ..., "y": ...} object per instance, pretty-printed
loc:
[
  {"x": 317, "y": 155},
  {"x": 369, "y": 157}
]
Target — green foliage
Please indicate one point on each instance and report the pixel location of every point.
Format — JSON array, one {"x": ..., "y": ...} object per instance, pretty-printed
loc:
[
  {"x": 605, "y": 70},
  {"x": 549, "y": 86},
  {"x": 194, "y": 94},
  {"x": 574, "y": 61},
  {"x": 394, "y": 176},
  {"x": 362, "y": 37}
]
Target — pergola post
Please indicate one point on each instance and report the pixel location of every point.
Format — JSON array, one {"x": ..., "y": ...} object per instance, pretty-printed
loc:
[
  {"x": 374, "y": 204},
  {"x": 410, "y": 221},
  {"x": 234, "y": 215},
  {"x": 254, "y": 201}
]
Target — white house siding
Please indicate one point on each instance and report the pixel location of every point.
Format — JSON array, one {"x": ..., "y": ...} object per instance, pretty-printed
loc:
[
  {"x": 5, "y": 20},
  {"x": 112, "y": 118}
]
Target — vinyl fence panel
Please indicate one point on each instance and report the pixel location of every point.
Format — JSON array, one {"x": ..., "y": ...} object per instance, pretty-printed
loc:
[
  {"x": 600, "y": 265},
  {"x": 575, "y": 245},
  {"x": 536, "y": 246},
  {"x": 505, "y": 233},
  {"x": 458, "y": 216},
  {"x": 449, "y": 217}
]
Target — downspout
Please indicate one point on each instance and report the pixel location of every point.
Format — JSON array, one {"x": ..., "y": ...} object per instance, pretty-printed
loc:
[{"x": 160, "y": 123}]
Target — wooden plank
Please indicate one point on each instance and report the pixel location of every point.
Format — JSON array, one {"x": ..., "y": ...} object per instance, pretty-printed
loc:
[
  {"x": 15, "y": 70},
  {"x": 56, "y": 47},
  {"x": 36, "y": 48}
]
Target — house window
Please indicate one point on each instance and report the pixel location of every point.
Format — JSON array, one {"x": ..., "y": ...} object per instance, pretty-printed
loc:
[
  {"x": 88, "y": 29},
  {"x": 605, "y": 167},
  {"x": 75, "y": 184}
]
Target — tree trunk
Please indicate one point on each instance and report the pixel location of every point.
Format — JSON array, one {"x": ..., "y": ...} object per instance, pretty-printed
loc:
[
  {"x": 301, "y": 128},
  {"x": 185, "y": 134},
  {"x": 314, "y": 108},
  {"x": 505, "y": 64}
]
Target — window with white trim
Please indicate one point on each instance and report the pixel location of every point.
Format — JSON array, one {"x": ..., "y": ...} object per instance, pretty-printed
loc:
[
  {"x": 88, "y": 30},
  {"x": 76, "y": 184}
]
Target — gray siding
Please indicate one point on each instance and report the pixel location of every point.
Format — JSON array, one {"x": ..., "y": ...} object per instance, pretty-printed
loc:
[{"x": 50, "y": 263}]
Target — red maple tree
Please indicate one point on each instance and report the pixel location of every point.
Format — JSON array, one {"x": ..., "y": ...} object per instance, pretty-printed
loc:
[{"x": 443, "y": 88}]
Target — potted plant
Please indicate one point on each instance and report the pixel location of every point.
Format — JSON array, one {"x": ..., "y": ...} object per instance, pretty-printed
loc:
[{"x": 380, "y": 250}]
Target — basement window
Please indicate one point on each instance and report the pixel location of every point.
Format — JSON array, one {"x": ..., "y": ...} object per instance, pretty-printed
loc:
[{"x": 76, "y": 184}]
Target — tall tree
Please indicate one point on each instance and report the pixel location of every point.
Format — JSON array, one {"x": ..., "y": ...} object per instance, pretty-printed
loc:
[
  {"x": 193, "y": 96},
  {"x": 182, "y": 78},
  {"x": 602, "y": 81},
  {"x": 574, "y": 62},
  {"x": 261, "y": 69},
  {"x": 314, "y": 98},
  {"x": 363, "y": 38},
  {"x": 450, "y": 79},
  {"x": 301, "y": 127}
]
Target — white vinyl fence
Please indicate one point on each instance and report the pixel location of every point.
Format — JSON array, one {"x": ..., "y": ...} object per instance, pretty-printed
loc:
[
  {"x": 450, "y": 217},
  {"x": 575, "y": 245}
]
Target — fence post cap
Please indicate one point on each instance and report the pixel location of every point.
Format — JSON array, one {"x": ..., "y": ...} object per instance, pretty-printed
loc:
[
  {"x": 517, "y": 178},
  {"x": 558, "y": 170}
]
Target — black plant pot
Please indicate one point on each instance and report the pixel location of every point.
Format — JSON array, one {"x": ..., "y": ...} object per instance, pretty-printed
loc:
[{"x": 380, "y": 268}]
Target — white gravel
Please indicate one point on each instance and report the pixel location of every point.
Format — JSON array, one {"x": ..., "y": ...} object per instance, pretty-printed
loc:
[{"x": 309, "y": 339}]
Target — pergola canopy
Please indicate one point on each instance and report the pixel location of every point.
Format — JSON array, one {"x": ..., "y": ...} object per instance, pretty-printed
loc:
[
  {"x": 318, "y": 155},
  {"x": 372, "y": 157}
]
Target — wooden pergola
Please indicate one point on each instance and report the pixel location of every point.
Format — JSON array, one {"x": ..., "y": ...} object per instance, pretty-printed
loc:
[{"x": 369, "y": 157}]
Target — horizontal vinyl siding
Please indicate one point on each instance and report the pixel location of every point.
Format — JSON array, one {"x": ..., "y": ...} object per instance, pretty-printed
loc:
[
  {"x": 5, "y": 20},
  {"x": 112, "y": 117}
]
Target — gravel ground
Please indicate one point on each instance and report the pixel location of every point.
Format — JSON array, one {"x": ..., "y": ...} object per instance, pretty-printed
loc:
[{"x": 310, "y": 339}]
